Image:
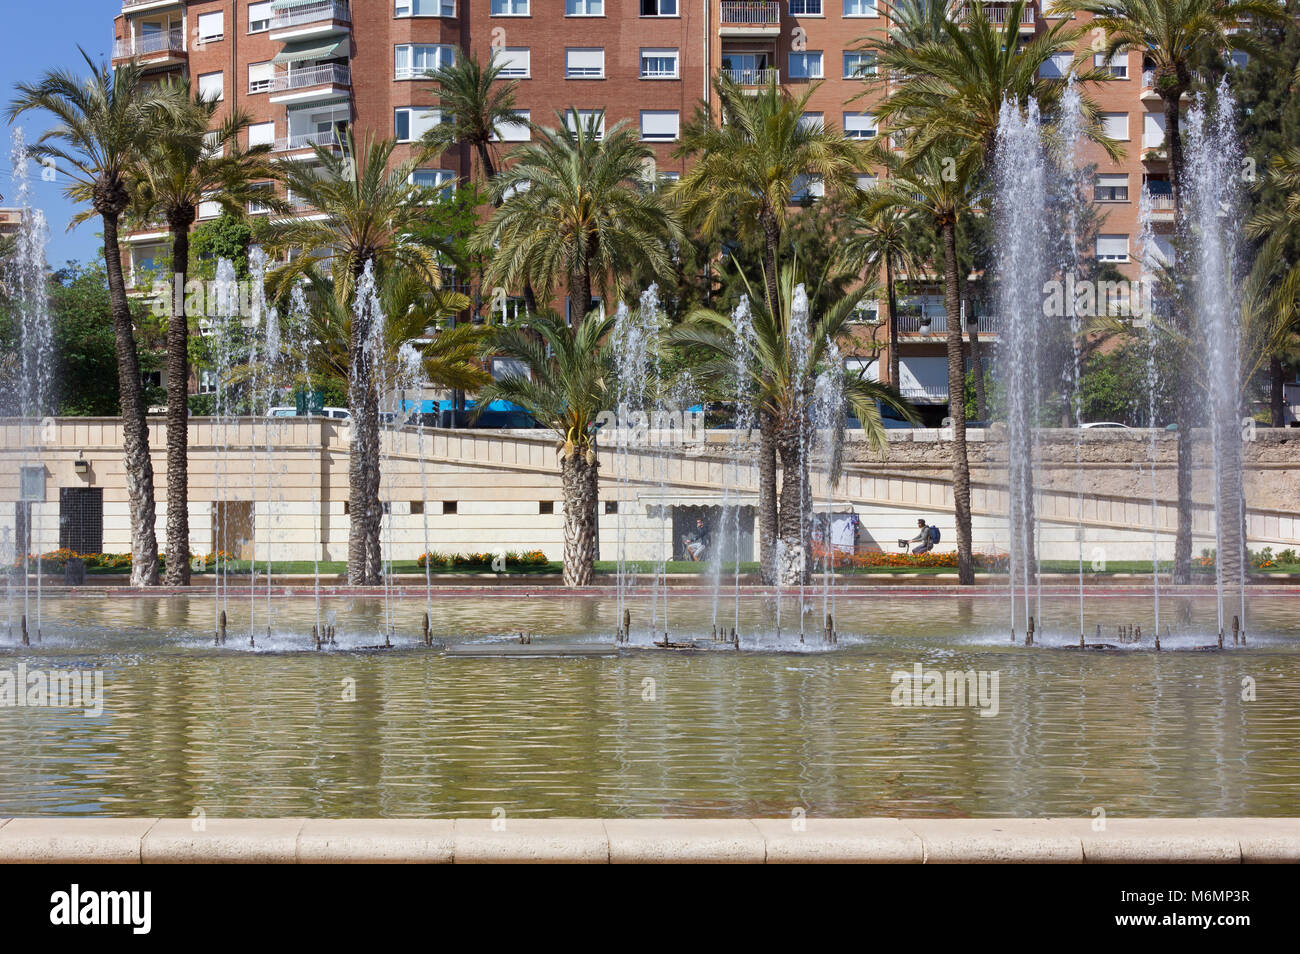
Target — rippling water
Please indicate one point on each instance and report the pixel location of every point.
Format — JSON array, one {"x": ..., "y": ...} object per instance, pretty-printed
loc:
[{"x": 272, "y": 730}]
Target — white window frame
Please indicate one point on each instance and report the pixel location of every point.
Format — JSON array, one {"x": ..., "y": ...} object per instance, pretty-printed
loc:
[
  {"x": 571, "y": 121},
  {"x": 871, "y": 180},
  {"x": 445, "y": 181},
  {"x": 1056, "y": 66},
  {"x": 263, "y": 24},
  {"x": 860, "y": 130},
  {"x": 510, "y": 8},
  {"x": 261, "y": 139},
  {"x": 584, "y": 72},
  {"x": 813, "y": 187},
  {"x": 411, "y": 71},
  {"x": 1157, "y": 120},
  {"x": 403, "y": 9},
  {"x": 586, "y": 4},
  {"x": 219, "y": 16},
  {"x": 1111, "y": 180},
  {"x": 805, "y": 8},
  {"x": 221, "y": 84},
  {"x": 513, "y": 54},
  {"x": 419, "y": 120},
  {"x": 813, "y": 118},
  {"x": 524, "y": 118},
  {"x": 806, "y": 57},
  {"x": 1112, "y": 256},
  {"x": 850, "y": 74},
  {"x": 875, "y": 9},
  {"x": 662, "y": 137},
  {"x": 659, "y": 53},
  {"x": 659, "y": 5},
  {"x": 1116, "y": 66},
  {"x": 1111, "y": 119},
  {"x": 262, "y": 83}
]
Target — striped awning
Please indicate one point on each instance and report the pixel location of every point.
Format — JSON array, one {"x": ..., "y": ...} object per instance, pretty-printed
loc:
[{"x": 313, "y": 50}]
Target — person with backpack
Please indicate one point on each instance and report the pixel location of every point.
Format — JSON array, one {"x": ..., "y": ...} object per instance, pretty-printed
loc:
[{"x": 926, "y": 538}]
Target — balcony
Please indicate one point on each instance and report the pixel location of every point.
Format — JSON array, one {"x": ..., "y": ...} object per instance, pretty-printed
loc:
[
  {"x": 304, "y": 141},
  {"x": 155, "y": 49},
  {"x": 321, "y": 18},
  {"x": 932, "y": 323},
  {"x": 750, "y": 18},
  {"x": 310, "y": 82},
  {"x": 999, "y": 13},
  {"x": 140, "y": 6},
  {"x": 754, "y": 77}
]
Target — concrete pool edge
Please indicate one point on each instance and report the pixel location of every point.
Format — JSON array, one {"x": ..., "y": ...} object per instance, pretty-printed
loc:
[{"x": 776, "y": 840}]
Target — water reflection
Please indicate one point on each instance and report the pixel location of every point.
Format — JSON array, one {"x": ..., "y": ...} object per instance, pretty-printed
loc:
[{"x": 282, "y": 731}]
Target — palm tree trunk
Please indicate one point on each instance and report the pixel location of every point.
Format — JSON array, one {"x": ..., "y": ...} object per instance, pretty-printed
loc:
[
  {"x": 796, "y": 503},
  {"x": 580, "y": 480},
  {"x": 485, "y": 160},
  {"x": 767, "y": 513},
  {"x": 1276, "y": 400},
  {"x": 579, "y": 297},
  {"x": 365, "y": 516},
  {"x": 957, "y": 406},
  {"x": 135, "y": 427},
  {"x": 1184, "y": 413},
  {"x": 772, "y": 241},
  {"x": 178, "y": 379},
  {"x": 891, "y": 294}
]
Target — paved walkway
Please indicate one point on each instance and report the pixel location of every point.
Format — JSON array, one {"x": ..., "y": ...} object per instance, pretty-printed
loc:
[{"x": 915, "y": 841}]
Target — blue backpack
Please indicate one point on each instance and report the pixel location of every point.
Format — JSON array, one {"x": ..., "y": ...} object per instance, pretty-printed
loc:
[{"x": 934, "y": 535}]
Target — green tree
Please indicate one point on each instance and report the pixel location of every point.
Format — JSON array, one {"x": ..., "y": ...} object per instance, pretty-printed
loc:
[
  {"x": 1175, "y": 35},
  {"x": 566, "y": 388},
  {"x": 195, "y": 159},
  {"x": 103, "y": 124},
  {"x": 473, "y": 103},
  {"x": 369, "y": 213}
]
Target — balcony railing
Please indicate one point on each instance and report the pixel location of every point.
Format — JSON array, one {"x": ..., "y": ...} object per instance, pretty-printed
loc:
[
  {"x": 921, "y": 392},
  {"x": 998, "y": 14},
  {"x": 172, "y": 41},
  {"x": 329, "y": 137},
  {"x": 332, "y": 73},
  {"x": 1162, "y": 203},
  {"x": 313, "y": 13},
  {"x": 1148, "y": 79},
  {"x": 751, "y": 13},
  {"x": 936, "y": 323},
  {"x": 128, "y": 4},
  {"x": 753, "y": 77}
]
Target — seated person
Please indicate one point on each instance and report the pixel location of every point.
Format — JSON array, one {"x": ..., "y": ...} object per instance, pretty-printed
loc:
[
  {"x": 925, "y": 539},
  {"x": 697, "y": 543}
]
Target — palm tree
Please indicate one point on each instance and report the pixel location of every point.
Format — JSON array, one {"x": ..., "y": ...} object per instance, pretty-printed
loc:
[
  {"x": 1174, "y": 35},
  {"x": 1278, "y": 227},
  {"x": 473, "y": 104},
  {"x": 574, "y": 208},
  {"x": 786, "y": 356},
  {"x": 188, "y": 163},
  {"x": 888, "y": 241},
  {"x": 939, "y": 190},
  {"x": 103, "y": 125},
  {"x": 368, "y": 213},
  {"x": 748, "y": 161},
  {"x": 567, "y": 385}
]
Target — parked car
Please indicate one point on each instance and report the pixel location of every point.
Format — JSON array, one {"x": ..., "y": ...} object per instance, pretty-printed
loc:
[
  {"x": 333, "y": 413},
  {"x": 1093, "y": 424}
]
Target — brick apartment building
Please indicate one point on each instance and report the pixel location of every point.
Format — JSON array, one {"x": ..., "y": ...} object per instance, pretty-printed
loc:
[{"x": 305, "y": 69}]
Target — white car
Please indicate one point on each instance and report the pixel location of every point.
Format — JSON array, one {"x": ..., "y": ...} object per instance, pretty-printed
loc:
[
  {"x": 333, "y": 413},
  {"x": 1105, "y": 424}
]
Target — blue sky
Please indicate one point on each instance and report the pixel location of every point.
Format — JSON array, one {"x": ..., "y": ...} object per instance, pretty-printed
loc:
[{"x": 38, "y": 36}]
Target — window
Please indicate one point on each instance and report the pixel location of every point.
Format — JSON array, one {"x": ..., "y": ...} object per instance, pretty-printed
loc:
[
  {"x": 812, "y": 121},
  {"x": 509, "y": 8},
  {"x": 1110, "y": 188},
  {"x": 209, "y": 210},
  {"x": 805, "y": 8},
  {"x": 1116, "y": 66},
  {"x": 865, "y": 181},
  {"x": 424, "y": 8},
  {"x": 860, "y": 8},
  {"x": 546, "y": 506},
  {"x": 859, "y": 64},
  {"x": 806, "y": 65},
  {"x": 515, "y": 62},
  {"x": 584, "y": 8},
  {"x": 1112, "y": 248},
  {"x": 417, "y": 507},
  {"x": 1057, "y": 66},
  {"x": 449, "y": 506},
  {"x": 517, "y": 131},
  {"x": 859, "y": 126},
  {"x": 585, "y": 117},
  {"x": 807, "y": 188},
  {"x": 584, "y": 63},
  {"x": 259, "y": 17},
  {"x": 433, "y": 178},
  {"x": 658, "y": 8},
  {"x": 1239, "y": 58},
  {"x": 260, "y": 76},
  {"x": 666, "y": 180},
  {"x": 211, "y": 86},
  {"x": 659, "y": 124},
  {"x": 412, "y": 122},
  {"x": 659, "y": 63},
  {"x": 212, "y": 26},
  {"x": 261, "y": 134},
  {"x": 254, "y": 206},
  {"x": 1115, "y": 125},
  {"x": 414, "y": 60},
  {"x": 611, "y": 506},
  {"x": 1153, "y": 130}
]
